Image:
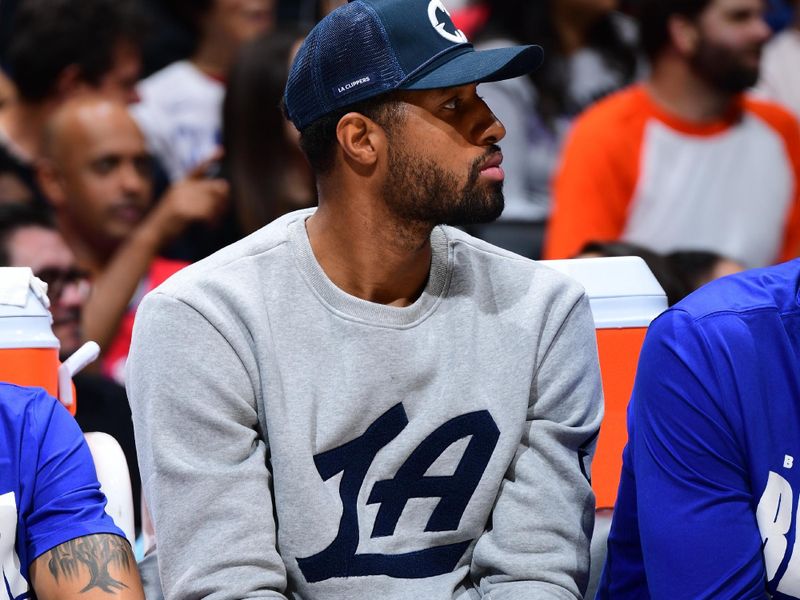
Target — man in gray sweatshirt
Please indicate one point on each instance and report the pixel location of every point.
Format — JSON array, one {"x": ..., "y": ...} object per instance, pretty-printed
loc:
[{"x": 359, "y": 401}]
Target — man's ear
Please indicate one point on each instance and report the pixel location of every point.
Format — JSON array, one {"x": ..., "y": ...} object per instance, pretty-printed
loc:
[
  {"x": 684, "y": 34},
  {"x": 50, "y": 181},
  {"x": 361, "y": 139}
]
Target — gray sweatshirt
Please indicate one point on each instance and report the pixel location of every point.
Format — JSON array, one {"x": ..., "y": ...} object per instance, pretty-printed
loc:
[{"x": 297, "y": 442}]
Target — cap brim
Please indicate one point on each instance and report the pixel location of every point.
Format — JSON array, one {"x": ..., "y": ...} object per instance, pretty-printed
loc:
[{"x": 479, "y": 66}]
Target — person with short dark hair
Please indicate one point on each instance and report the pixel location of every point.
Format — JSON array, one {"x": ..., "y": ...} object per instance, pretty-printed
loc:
[
  {"x": 360, "y": 400},
  {"x": 29, "y": 238},
  {"x": 687, "y": 159},
  {"x": 697, "y": 268},
  {"x": 62, "y": 45},
  {"x": 59, "y": 49},
  {"x": 181, "y": 105},
  {"x": 707, "y": 503}
]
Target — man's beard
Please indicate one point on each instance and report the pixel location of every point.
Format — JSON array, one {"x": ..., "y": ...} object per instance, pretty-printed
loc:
[
  {"x": 419, "y": 190},
  {"x": 722, "y": 68}
]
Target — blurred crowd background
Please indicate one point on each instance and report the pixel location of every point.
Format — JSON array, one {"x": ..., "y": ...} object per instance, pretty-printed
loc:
[{"x": 138, "y": 136}]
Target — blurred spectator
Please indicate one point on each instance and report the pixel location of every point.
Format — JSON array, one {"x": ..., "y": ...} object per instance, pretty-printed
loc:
[
  {"x": 13, "y": 188},
  {"x": 180, "y": 105},
  {"x": 60, "y": 48},
  {"x": 695, "y": 269},
  {"x": 589, "y": 53},
  {"x": 97, "y": 177},
  {"x": 7, "y": 92},
  {"x": 780, "y": 66},
  {"x": 658, "y": 264},
  {"x": 57, "y": 540},
  {"x": 686, "y": 160},
  {"x": 268, "y": 172},
  {"x": 29, "y": 238}
]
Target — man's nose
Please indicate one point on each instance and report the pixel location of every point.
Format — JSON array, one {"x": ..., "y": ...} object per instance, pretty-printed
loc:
[
  {"x": 496, "y": 131},
  {"x": 133, "y": 181},
  {"x": 490, "y": 129}
]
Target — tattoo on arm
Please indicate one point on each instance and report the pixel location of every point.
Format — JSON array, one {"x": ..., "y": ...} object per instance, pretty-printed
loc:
[{"x": 96, "y": 553}]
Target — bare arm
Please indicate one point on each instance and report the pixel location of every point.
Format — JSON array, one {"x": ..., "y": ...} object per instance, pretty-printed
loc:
[
  {"x": 92, "y": 567},
  {"x": 189, "y": 201}
]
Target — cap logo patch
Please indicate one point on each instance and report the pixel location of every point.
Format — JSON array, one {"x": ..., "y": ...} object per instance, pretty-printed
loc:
[{"x": 443, "y": 24}]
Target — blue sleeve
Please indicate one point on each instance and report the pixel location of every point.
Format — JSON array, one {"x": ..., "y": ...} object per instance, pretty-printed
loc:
[
  {"x": 67, "y": 501},
  {"x": 697, "y": 523}
]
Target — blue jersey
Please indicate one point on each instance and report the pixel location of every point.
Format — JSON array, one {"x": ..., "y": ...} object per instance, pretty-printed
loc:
[
  {"x": 49, "y": 492},
  {"x": 709, "y": 499}
]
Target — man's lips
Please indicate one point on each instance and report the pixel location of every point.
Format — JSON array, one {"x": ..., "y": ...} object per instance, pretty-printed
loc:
[
  {"x": 128, "y": 213},
  {"x": 491, "y": 169}
]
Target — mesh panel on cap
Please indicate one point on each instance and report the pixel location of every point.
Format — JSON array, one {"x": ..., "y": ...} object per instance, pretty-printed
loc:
[{"x": 347, "y": 47}]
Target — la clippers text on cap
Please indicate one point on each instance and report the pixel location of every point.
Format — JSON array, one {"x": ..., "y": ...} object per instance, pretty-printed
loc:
[{"x": 369, "y": 47}]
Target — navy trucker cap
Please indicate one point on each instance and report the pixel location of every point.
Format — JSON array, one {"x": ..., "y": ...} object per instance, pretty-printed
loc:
[{"x": 369, "y": 47}]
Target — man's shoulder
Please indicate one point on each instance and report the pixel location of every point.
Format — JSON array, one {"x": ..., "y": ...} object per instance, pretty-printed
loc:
[
  {"x": 496, "y": 263},
  {"x": 29, "y": 415},
  {"x": 771, "y": 290},
  {"x": 236, "y": 262},
  {"x": 18, "y": 402},
  {"x": 776, "y": 116}
]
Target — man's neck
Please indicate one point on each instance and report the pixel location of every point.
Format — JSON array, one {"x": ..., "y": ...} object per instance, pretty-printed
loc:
[
  {"x": 369, "y": 254},
  {"x": 23, "y": 124},
  {"x": 681, "y": 92}
]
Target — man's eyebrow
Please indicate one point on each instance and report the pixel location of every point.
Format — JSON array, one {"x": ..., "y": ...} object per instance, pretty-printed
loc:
[{"x": 103, "y": 156}]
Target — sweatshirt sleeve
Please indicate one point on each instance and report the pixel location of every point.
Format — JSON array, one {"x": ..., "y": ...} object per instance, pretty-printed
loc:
[
  {"x": 537, "y": 545},
  {"x": 203, "y": 457}
]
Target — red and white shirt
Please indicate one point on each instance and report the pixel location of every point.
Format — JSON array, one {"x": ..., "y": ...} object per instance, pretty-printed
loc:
[{"x": 631, "y": 171}]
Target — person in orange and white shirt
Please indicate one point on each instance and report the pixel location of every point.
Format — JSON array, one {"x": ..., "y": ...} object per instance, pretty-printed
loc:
[{"x": 686, "y": 160}]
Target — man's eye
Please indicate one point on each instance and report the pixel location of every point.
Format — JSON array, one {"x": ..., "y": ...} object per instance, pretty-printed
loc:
[
  {"x": 103, "y": 166},
  {"x": 452, "y": 104}
]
